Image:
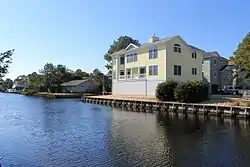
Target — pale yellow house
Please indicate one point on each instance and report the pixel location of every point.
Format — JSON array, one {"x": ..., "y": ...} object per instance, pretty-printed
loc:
[{"x": 137, "y": 70}]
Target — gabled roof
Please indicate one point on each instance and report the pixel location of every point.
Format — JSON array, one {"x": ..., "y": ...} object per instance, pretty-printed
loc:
[
  {"x": 130, "y": 46},
  {"x": 74, "y": 82},
  {"x": 148, "y": 45},
  {"x": 195, "y": 48}
]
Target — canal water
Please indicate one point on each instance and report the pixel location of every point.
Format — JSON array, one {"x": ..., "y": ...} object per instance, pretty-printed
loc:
[{"x": 35, "y": 132}]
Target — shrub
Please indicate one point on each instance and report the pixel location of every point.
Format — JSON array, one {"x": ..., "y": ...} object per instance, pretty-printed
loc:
[
  {"x": 191, "y": 91},
  {"x": 165, "y": 90}
]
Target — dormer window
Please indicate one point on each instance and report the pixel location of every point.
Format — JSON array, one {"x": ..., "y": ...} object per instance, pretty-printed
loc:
[
  {"x": 177, "y": 48},
  {"x": 194, "y": 55}
]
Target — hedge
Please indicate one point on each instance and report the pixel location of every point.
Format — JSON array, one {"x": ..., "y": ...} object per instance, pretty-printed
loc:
[
  {"x": 165, "y": 90},
  {"x": 189, "y": 92}
]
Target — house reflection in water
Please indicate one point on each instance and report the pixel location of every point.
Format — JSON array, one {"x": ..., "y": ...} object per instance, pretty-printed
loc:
[{"x": 138, "y": 139}]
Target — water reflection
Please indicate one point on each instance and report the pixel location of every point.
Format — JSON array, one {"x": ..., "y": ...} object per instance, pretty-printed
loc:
[
  {"x": 35, "y": 132},
  {"x": 206, "y": 142}
]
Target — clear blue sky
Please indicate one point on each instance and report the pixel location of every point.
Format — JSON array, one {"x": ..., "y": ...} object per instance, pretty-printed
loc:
[{"x": 77, "y": 33}]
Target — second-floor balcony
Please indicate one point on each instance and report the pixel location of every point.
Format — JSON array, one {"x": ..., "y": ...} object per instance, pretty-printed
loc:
[{"x": 129, "y": 77}]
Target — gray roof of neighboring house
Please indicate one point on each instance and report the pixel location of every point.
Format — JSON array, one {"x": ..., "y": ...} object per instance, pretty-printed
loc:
[
  {"x": 229, "y": 67},
  {"x": 213, "y": 54},
  {"x": 74, "y": 82}
]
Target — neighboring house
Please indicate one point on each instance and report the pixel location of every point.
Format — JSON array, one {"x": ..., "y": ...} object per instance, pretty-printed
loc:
[
  {"x": 217, "y": 71},
  {"x": 137, "y": 70},
  {"x": 78, "y": 86},
  {"x": 18, "y": 85}
]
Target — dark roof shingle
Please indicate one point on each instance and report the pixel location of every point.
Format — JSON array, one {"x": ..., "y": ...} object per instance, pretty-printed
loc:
[{"x": 74, "y": 82}]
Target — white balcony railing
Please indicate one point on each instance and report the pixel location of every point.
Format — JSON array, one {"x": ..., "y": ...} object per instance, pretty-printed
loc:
[{"x": 134, "y": 76}]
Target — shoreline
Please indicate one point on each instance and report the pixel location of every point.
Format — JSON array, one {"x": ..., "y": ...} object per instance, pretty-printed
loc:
[
  {"x": 152, "y": 105},
  {"x": 52, "y": 95}
]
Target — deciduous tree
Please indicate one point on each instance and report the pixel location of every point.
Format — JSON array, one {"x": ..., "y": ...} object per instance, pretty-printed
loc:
[{"x": 242, "y": 54}]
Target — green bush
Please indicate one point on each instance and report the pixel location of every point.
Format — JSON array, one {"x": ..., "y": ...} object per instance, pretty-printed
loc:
[
  {"x": 29, "y": 92},
  {"x": 191, "y": 92},
  {"x": 165, "y": 90}
]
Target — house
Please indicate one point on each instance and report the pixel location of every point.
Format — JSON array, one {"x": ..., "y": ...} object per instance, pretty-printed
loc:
[
  {"x": 78, "y": 86},
  {"x": 19, "y": 84},
  {"x": 217, "y": 71},
  {"x": 137, "y": 70}
]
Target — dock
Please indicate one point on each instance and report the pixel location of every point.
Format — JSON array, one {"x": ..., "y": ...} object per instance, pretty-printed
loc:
[{"x": 152, "y": 105}]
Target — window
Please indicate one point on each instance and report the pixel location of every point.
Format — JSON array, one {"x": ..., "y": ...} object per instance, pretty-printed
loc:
[
  {"x": 177, "y": 70},
  {"x": 194, "y": 71},
  {"x": 132, "y": 57},
  {"x": 202, "y": 62},
  {"x": 153, "y": 70},
  {"x": 142, "y": 70},
  {"x": 121, "y": 72},
  {"x": 122, "y": 60},
  {"x": 214, "y": 74},
  {"x": 194, "y": 55},
  {"x": 214, "y": 61},
  {"x": 153, "y": 54},
  {"x": 177, "y": 48}
]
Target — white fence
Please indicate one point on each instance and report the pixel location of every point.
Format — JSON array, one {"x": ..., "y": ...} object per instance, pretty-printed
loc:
[{"x": 135, "y": 87}]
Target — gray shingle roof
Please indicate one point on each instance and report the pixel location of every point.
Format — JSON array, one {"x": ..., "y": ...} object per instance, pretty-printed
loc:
[{"x": 74, "y": 82}]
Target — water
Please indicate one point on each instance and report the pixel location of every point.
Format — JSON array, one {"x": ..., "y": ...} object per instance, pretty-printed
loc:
[{"x": 35, "y": 132}]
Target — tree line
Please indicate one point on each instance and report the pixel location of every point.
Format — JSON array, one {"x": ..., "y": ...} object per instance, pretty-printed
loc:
[{"x": 51, "y": 76}]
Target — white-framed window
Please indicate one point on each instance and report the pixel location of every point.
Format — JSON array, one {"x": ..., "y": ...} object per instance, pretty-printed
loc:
[
  {"x": 153, "y": 53},
  {"x": 194, "y": 71},
  {"x": 214, "y": 61},
  {"x": 214, "y": 74},
  {"x": 177, "y": 70},
  {"x": 194, "y": 55},
  {"x": 122, "y": 72},
  {"x": 122, "y": 60},
  {"x": 153, "y": 70},
  {"x": 177, "y": 48},
  {"x": 132, "y": 57}
]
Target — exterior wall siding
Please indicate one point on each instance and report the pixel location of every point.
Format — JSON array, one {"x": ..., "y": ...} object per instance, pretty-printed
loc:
[
  {"x": 143, "y": 60},
  {"x": 185, "y": 60},
  {"x": 135, "y": 87}
]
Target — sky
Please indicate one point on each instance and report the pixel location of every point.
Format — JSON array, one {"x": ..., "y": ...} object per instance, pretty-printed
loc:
[{"x": 78, "y": 33}]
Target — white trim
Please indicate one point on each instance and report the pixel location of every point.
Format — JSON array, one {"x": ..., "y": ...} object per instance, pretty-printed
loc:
[{"x": 134, "y": 46}]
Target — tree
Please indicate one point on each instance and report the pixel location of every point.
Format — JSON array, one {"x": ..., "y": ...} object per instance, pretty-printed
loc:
[
  {"x": 48, "y": 73},
  {"x": 5, "y": 60},
  {"x": 79, "y": 74},
  {"x": 242, "y": 54},
  {"x": 7, "y": 84},
  {"x": 121, "y": 43}
]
